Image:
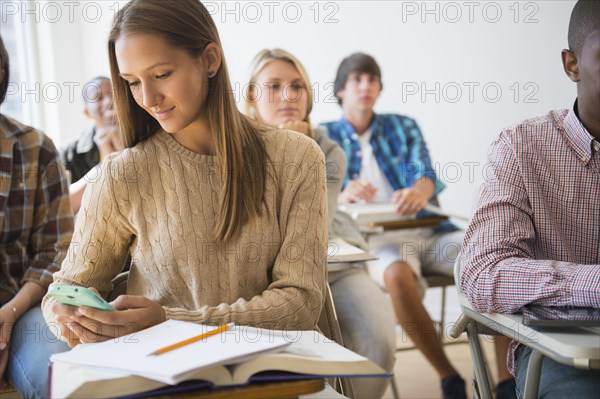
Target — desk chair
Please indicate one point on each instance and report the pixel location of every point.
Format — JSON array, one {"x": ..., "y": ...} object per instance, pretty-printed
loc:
[
  {"x": 328, "y": 324},
  {"x": 442, "y": 282},
  {"x": 482, "y": 386},
  {"x": 433, "y": 280},
  {"x": 572, "y": 347}
]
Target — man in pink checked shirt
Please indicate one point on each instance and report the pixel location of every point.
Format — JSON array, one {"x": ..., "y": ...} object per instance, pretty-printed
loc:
[{"x": 535, "y": 236}]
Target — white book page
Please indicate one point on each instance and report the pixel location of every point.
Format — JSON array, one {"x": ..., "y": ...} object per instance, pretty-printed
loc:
[
  {"x": 131, "y": 353},
  {"x": 339, "y": 251}
]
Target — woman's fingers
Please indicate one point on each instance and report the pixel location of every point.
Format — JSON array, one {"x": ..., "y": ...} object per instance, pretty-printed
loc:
[{"x": 87, "y": 335}]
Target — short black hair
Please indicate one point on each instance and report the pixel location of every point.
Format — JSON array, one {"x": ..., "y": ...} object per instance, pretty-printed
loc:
[
  {"x": 585, "y": 19},
  {"x": 357, "y": 62},
  {"x": 5, "y": 65}
]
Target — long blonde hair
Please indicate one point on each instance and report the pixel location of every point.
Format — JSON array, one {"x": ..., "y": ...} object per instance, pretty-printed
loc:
[
  {"x": 261, "y": 60},
  {"x": 240, "y": 150}
]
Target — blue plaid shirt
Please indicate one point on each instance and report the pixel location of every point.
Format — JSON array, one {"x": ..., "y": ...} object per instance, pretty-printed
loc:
[
  {"x": 399, "y": 149},
  {"x": 398, "y": 146}
]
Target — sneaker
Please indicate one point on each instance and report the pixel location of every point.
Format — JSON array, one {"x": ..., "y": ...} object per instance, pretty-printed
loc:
[
  {"x": 453, "y": 387},
  {"x": 506, "y": 389}
]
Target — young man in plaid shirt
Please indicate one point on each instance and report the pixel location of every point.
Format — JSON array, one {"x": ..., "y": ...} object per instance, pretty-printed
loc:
[
  {"x": 388, "y": 161},
  {"x": 36, "y": 224}
]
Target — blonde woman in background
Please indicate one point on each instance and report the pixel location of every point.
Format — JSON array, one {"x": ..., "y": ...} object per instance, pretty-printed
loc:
[{"x": 280, "y": 96}]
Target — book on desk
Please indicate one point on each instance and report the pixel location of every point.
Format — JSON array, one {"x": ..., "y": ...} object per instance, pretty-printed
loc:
[
  {"x": 377, "y": 217},
  {"x": 341, "y": 251},
  {"x": 123, "y": 366},
  {"x": 368, "y": 213}
]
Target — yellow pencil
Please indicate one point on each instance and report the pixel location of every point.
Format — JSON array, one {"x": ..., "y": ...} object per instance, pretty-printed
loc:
[{"x": 200, "y": 337}]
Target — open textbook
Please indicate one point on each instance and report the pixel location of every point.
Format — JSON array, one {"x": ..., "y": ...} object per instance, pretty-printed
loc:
[{"x": 122, "y": 367}]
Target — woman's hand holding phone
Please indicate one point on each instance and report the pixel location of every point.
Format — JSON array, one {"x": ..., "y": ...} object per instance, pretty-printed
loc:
[{"x": 85, "y": 324}]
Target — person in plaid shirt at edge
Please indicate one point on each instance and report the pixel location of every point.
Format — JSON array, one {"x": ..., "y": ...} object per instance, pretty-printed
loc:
[
  {"x": 36, "y": 225},
  {"x": 535, "y": 236}
]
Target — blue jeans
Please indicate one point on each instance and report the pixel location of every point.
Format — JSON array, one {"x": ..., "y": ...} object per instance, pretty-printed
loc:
[
  {"x": 368, "y": 325},
  {"x": 31, "y": 344},
  {"x": 557, "y": 381}
]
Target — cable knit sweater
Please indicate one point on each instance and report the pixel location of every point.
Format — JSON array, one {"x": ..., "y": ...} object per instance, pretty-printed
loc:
[{"x": 158, "y": 202}]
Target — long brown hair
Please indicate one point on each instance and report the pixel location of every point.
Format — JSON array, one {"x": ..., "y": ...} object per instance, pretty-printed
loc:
[{"x": 240, "y": 150}]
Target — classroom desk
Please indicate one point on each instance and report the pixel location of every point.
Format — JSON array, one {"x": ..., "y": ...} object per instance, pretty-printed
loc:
[
  {"x": 409, "y": 224},
  {"x": 574, "y": 347},
  {"x": 379, "y": 227}
]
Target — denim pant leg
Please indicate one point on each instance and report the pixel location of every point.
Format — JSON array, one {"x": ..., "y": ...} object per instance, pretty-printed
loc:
[
  {"x": 368, "y": 325},
  {"x": 31, "y": 344},
  {"x": 558, "y": 381}
]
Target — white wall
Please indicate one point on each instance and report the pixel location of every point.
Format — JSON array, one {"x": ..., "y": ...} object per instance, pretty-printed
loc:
[{"x": 457, "y": 45}]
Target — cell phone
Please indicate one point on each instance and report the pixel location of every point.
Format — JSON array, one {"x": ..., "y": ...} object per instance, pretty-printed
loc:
[
  {"x": 548, "y": 316},
  {"x": 79, "y": 296}
]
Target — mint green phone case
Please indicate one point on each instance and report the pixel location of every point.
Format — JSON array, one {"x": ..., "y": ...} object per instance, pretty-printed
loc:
[{"x": 79, "y": 296}]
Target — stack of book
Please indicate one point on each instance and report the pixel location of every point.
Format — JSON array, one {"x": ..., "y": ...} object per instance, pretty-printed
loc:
[{"x": 129, "y": 365}]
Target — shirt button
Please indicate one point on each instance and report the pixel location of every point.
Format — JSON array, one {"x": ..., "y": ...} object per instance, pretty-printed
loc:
[
  {"x": 346, "y": 141},
  {"x": 354, "y": 136}
]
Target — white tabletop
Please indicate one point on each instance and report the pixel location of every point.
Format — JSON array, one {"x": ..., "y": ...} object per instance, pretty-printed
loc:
[{"x": 574, "y": 346}]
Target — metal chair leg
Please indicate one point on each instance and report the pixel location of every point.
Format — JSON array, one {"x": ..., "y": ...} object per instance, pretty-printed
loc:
[
  {"x": 395, "y": 392},
  {"x": 534, "y": 370},
  {"x": 482, "y": 385},
  {"x": 443, "y": 316}
]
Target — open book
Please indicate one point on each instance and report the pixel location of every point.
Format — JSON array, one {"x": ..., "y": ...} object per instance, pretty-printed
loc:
[
  {"x": 339, "y": 250},
  {"x": 231, "y": 358}
]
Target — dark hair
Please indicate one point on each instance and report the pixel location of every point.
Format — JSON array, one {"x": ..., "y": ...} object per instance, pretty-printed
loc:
[
  {"x": 240, "y": 150},
  {"x": 357, "y": 62},
  {"x": 4, "y": 64},
  {"x": 585, "y": 19},
  {"x": 97, "y": 79}
]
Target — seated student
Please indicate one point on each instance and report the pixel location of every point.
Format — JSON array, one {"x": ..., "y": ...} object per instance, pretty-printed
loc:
[
  {"x": 94, "y": 144},
  {"x": 534, "y": 237},
  {"x": 280, "y": 96},
  {"x": 36, "y": 225},
  {"x": 198, "y": 197},
  {"x": 388, "y": 161}
]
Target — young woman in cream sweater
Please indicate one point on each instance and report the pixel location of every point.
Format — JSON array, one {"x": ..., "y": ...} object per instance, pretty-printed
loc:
[{"x": 223, "y": 222}]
